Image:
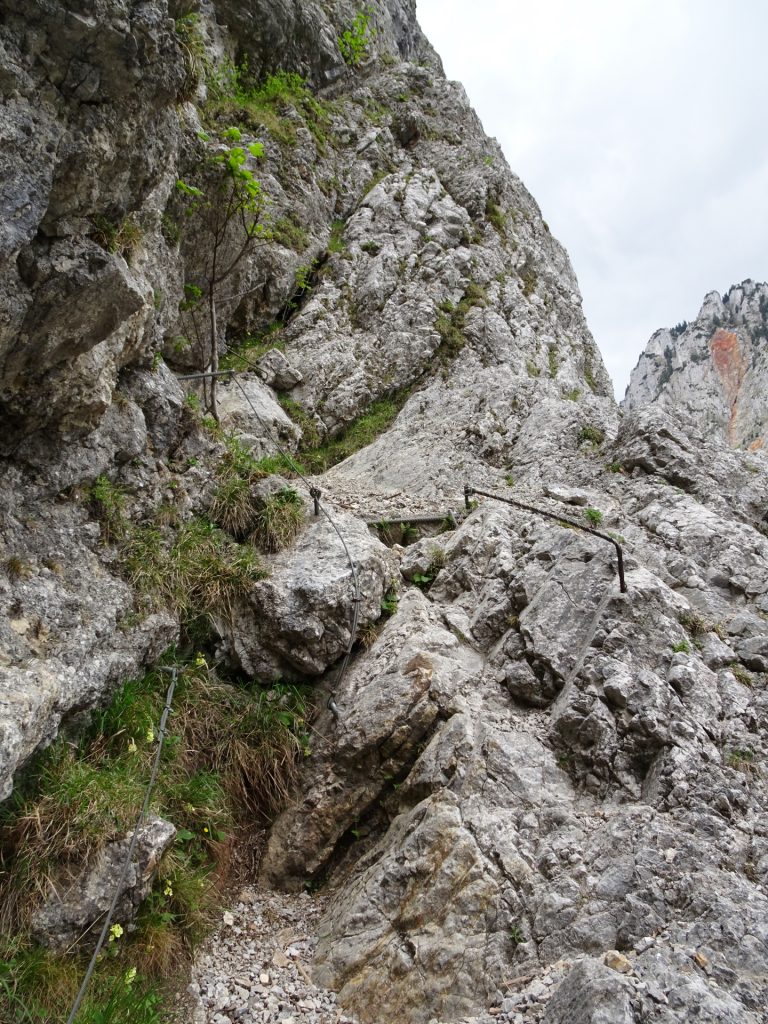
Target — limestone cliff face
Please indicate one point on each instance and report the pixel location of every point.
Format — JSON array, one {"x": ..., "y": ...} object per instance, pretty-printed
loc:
[
  {"x": 542, "y": 766},
  {"x": 714, "y": 369}
]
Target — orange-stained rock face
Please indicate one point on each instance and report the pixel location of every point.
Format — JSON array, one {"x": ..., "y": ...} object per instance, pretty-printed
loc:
[
  {"x": 757, "y": 445},
  {"x": 731, "y": 366}
]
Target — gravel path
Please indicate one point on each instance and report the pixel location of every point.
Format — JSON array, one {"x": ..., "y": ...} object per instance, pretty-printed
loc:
[{"x": 255, "y": 969}]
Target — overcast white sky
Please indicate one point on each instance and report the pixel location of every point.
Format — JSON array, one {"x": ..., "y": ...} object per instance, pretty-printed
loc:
[{"x": 640, "y": 128}]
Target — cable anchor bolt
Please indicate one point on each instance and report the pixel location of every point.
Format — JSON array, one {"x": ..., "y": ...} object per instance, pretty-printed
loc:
[{"x": 315, "y": 493}]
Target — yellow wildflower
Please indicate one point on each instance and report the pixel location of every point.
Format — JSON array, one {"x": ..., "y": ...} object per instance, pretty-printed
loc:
[{"x": 115, "y": 932}]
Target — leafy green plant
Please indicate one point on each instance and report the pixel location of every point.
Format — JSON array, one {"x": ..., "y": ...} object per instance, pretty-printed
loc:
[
  {"x": 593, "y": 435},
  {"x": 423, "y": 580},
  {"x": 681, "y": 647},
  {"x": 450, "y": 322},
  {"x": 593, "y": 516},
  {"x": 355, "y": 40},
  {"x": 573, "y": 395},
  {"x": 532, "y": 368},
  {"x": 516, "y": 935},
  {"x": 230, "y": 209},
  {"x": 389, "y": 602}
]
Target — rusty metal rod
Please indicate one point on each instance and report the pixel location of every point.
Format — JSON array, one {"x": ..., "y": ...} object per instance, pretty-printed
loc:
[
  {"x": 198, "y": 376},
  {"x": 448, "y": 517},
  {"x": 558, "y": 519}
]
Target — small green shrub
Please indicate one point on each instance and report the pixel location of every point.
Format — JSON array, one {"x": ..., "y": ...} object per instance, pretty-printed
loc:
[
  {"x": 16, "y": 568},
  {"x": 496, "y": 217},
  {"x": 246, "y": 352},
  {"x": 591, "y": 434},
  {"x": 451, "y": 320},
  {"x": 317, "y": 457},
  {"x": 234, "y": 95},
  {"x": 532, "y": 368},
  {"x": 743, "y": 760},
  {"x": 279, "y": 464},
  {"x": 286, "y": 231},
  {"x": 593, "y": 516},
  {"x": 389, "y": 602},
  {"x": 355, "y": 40},
  {"x": 695, "y": 624},
  {"x": 681, "y": 647}
]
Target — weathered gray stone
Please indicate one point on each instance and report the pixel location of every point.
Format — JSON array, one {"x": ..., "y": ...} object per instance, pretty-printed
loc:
[
  {"x": 298, "y": 621},
  {"x": 591, "y": 994},
  {"x": 72, "y": 915},
  {"x": 712, "y": 370},
  {"x": 276, "y": 372}
]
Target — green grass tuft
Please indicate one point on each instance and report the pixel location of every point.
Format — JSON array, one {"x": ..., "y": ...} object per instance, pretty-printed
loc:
[{"x": 230, "y": 759}]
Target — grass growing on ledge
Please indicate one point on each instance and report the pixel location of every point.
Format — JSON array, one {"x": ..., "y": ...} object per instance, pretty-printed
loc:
[
  {"x": 450, "y": 322},
  {"x": 195, "y": 569},
  {"x": 234, "y": 96},
  {"x": 230, "y": 757},
  {"x": 317, "y": 457},
  {"x": 250, "y": 349},
  {"x": 278, "y": 521}
]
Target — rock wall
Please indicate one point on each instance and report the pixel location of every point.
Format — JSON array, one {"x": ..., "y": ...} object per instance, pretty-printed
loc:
[
  {"x": 714, "y": 369},
  {"x": 527, "y": 765}
]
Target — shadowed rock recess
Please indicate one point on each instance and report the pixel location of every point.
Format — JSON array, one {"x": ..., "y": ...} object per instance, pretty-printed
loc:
[{"x": 532, "y": 776}]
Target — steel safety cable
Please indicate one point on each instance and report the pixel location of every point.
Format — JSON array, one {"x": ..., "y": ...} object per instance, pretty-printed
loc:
[{"x": 131, "y": 846}]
